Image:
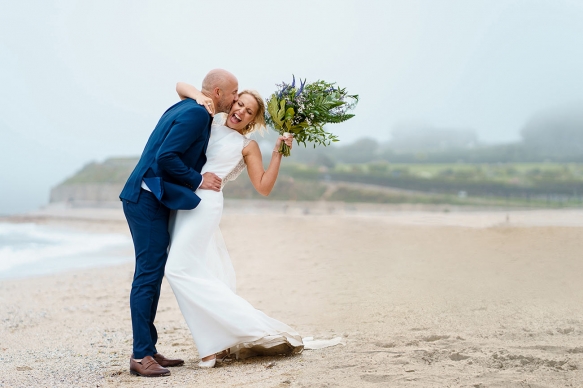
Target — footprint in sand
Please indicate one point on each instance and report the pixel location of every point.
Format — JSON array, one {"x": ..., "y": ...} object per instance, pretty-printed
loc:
[
  {"x": 458, "y": 357},
  {"x": 433, "y": 338},
  {"x": 385, "y": 345},
  {"x": 377, "y": 378}
]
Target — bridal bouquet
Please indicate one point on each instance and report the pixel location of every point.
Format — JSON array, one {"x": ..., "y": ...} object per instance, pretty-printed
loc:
[{"x": 303, "y": 111}]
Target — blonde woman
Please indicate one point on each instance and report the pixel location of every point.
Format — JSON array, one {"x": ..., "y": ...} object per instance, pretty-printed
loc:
[{"x": 199, "y": 269}]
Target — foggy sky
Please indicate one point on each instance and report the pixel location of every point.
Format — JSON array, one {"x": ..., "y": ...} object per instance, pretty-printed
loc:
[{"x": 83, "y": 81}]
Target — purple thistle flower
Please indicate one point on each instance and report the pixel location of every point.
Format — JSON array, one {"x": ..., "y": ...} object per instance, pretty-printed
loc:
[
  {"x": 282, "y": 91},
  {"x": 302, "y": 84}
]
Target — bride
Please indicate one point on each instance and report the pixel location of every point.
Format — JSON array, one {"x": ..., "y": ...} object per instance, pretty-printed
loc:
[{"x": 199, "y": 269}]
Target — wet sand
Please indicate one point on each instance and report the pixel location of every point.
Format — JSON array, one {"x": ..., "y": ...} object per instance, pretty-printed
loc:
[{"x": 422, "y": 299}]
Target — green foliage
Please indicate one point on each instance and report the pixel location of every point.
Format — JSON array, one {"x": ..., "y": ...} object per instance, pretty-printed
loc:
[
  {"x": 367, "y": 195},
  {"x": 549, "y": 182},
  {"x": 286, "y": 188}
]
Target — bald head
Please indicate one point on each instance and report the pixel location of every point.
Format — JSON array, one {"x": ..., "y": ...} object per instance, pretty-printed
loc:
[
  {"x": 222, "y": 86},
  {"x": 217, "y": 78}
]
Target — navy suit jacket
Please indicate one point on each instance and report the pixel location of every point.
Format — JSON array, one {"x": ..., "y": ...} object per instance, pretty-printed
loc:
[{"x": 173, "y": 157}]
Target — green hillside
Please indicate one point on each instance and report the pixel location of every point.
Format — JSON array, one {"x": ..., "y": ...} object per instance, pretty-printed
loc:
[{"x": 500, "y": 184}]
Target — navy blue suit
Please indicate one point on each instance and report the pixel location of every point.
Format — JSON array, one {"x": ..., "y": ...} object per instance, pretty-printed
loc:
[{"x": 170, "y": 166}]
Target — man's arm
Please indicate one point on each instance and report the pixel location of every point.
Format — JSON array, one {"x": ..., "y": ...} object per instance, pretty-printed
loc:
[{"x": 187, "y": 128}]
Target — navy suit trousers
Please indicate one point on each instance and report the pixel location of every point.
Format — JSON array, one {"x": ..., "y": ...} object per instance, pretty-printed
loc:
[{"x": 148, "y": 222}]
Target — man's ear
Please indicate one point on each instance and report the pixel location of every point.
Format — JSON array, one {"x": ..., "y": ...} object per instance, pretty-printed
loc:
[{"x": 217, "y": 92}]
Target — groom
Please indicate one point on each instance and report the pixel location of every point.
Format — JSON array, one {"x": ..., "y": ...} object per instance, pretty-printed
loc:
[{"x": 165, "y": 178}]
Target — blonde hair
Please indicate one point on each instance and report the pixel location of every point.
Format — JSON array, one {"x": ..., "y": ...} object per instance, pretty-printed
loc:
[{"x": 258, "y": 123}]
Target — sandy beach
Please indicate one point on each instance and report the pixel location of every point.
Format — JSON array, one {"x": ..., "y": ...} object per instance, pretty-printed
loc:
[{"x": 422, "y": 299}]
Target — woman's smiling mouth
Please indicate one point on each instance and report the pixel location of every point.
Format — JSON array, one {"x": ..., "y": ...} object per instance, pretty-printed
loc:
[{"x": 235, "y": 118}]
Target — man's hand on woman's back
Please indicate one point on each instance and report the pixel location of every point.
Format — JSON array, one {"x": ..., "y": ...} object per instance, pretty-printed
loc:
[{"x": 210, "y": 181}]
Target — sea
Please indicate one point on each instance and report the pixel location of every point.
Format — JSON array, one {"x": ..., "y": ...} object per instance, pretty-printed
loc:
[{"x": 30, "y": 249}]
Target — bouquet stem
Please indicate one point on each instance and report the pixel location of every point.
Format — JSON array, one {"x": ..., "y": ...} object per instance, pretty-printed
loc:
[{"x": 284, "y": 149}]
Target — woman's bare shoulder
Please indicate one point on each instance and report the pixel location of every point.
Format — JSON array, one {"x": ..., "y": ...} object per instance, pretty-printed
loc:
[{"x": 250, "y": 147}]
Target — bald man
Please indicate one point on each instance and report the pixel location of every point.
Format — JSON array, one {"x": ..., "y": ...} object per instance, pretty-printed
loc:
[{"x": 165, "y": 179}]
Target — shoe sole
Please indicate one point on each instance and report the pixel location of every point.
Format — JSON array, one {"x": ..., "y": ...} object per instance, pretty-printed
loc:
[
  {"x": 171, "y": 366},
  {"x": 133, "y": 372}
]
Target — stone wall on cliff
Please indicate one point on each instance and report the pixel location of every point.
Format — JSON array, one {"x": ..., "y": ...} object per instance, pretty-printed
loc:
[{"x": 95, "y": 185}]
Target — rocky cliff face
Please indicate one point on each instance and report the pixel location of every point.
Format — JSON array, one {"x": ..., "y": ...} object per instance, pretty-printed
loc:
[
  {"x": 96, "y": 184},
  {"x": 87, "y": 194}
]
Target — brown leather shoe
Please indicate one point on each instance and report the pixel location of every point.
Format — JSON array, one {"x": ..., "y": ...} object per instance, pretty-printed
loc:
[
  {"x": 167, "y": 362},
  {"x": 148, "y": 367}
]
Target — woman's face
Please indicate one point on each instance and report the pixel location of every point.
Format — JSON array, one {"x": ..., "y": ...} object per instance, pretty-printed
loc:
[{"x": 242, "y": 112}]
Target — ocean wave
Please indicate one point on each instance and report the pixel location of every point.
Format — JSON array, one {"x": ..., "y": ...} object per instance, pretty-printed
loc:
[{"x": 27, "y": 244}]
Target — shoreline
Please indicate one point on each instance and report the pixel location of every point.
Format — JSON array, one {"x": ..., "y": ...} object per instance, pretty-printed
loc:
[
  {"x": 105, "y": 219},
  {"x": 418, "y": 303}
]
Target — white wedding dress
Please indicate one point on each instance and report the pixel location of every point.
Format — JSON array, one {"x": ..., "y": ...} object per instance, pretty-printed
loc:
[{"x": 202, "y": 277}]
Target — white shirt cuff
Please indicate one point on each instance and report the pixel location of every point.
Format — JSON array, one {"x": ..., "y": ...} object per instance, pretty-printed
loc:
[{"x": 145, "y": 187}]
